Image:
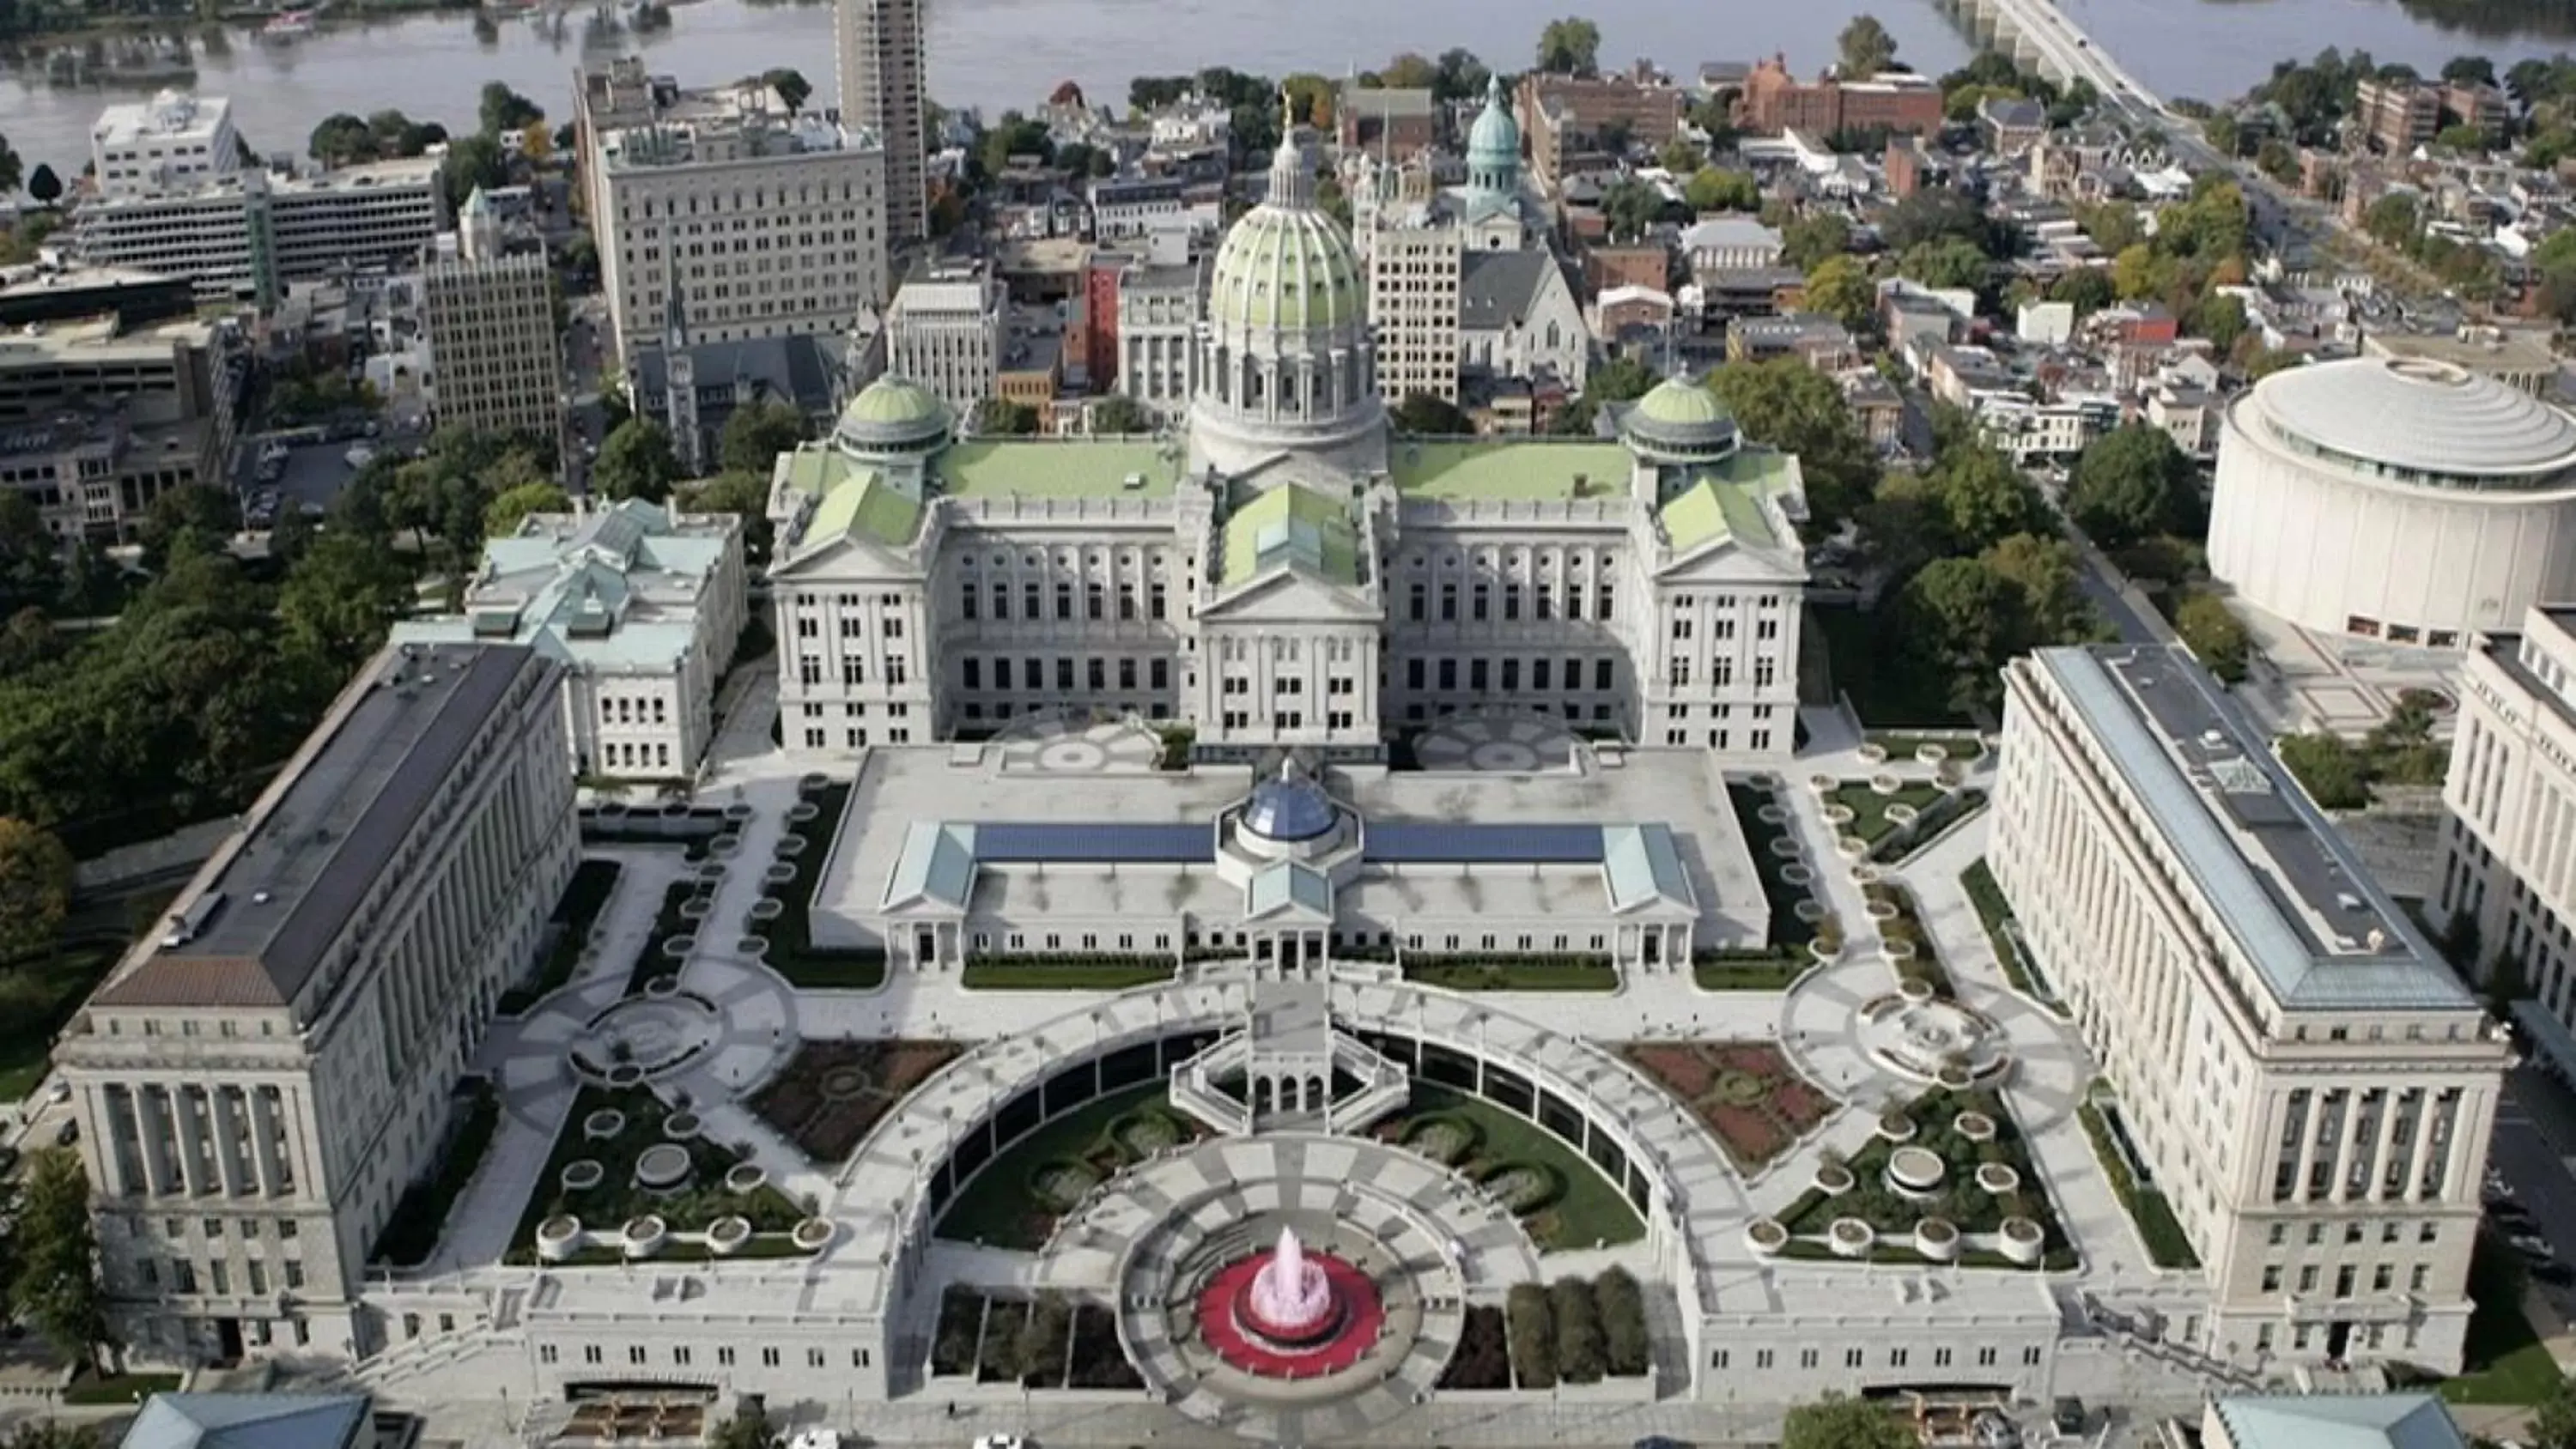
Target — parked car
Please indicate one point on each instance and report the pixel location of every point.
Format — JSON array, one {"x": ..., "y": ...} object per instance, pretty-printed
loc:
[
  {"x": 2532, "y": 1245},
  {"x": 69, "y": 1134},
  {"x": 8, "y": 1160}
]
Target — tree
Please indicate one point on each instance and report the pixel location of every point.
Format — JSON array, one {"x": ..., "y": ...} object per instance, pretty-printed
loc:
[
  {"x": 1785, "y": 404},
  {"x": 2218, "y": 317},
  {"x": 341, "y": 139},
  {"x": 207, "y": 516},
  {"x": 1408, "y": 72},
  {"x": 537, "y": 144},
  {"x": 635, "y": 461},
  {"x": 1710, "y": 189},
  {"x": 1865, "y": 48},
  {"x": 790, "y": 83},
  {"x": 502, "y": 110},
  {"x": 511, "y": 506},
  {"x": 341, "y": 598},
  {"x": 1948, "y": 262},
  {"x": 1001, "y": 417},
  {"x": 2214, "y": 633},
  {"x": 1682, "y": 157},
  {"x": 744, "y": 495},
  {"x": 31, "y": 569},
  {"x": 2328, "y": 768},
  {"x": 1933, "y": 214},
  {"x": 748, "y": 1428},
  {"x": 2088, "y": 288},
  {"x": 1119, "y": 414},
  {"x": 35, "y": 888},
  {"x": 1460, "y": 77},
  {"x": 1571, "y": 46},
  {"x": 10, "y": 167},
  {"x": 754, "y": 436},
  {"x": 1983, "y": 496},
  {"x": 2131, "y": 484},
  {"x": 2051, "y": 602},
  {"x": 2465, "y": 138},
  {"x": 44, "y": 185},
  {"x": 51, "y": 1433},
  {"x": 2553, "y": 1420},
  {"x": 472, "y": 161},
  {"x": 1842, "y": 1423},
  {"x": 1631, "y": 207},
  {"x": 2474, "y": 70},
  {"x": 1957, "y": 620},
  {"x": 2393, "y": 220},
  {"x": 1810, "y": 239},
  {"x": 1424, "y": 416},
  {"x": 56, "y": 1288},
  {"x": 1840, "y": 288}
]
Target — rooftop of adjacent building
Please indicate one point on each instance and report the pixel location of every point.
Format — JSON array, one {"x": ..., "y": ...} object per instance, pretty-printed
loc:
[
  {"x": 100, "y": 339},
  {"x": 2286, "y": 884},
  {"x": 168, "y": 114},
  {"x": 262, "y": 917},
  {"x": 249, "y": 1421},
  {"x": 2334, "y": 1421},
  {"x": 721, "y": 123},
  {"x": 614, "y": 589},
  {"x": 413, "y": 173},
  {"x": 2415, "y": 419}
]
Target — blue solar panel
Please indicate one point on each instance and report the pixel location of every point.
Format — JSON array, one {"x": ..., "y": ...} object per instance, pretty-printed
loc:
[
  {"x": 1398, "y": 842},
  {"x": 1102, "y": 842}
]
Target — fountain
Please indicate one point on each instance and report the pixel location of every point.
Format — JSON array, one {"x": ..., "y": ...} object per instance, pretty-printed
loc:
[{"x": 1291, "y": 1312}]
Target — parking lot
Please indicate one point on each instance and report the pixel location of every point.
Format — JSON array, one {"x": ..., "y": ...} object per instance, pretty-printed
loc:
[{"x": 307, "y": 474}]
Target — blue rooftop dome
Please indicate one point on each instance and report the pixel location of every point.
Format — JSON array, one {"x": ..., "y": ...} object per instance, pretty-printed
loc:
[{"x": 1290, "y": 808}]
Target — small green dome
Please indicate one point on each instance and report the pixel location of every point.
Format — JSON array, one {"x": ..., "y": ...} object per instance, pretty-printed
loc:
[
  {"x": 1494, "y": 143},
  {"x": 893, "y": 413},
  {"x": 1683, "y": 417},
  {"x": 1289, "y": 268}
]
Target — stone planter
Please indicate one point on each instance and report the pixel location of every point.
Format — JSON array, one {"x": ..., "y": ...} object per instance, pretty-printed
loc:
[
  {"x": 745, "y": 1177},
  {"x": 1884, "y": 784},
  {"x": 697, "y": 908},
  {"x": 2023, "y": 1240},
  {"x": 1822, "y": 784},
  {"x": 680, "y": 1126},
  {"x": 1797, "y": 875},
  {"x": 1838, "y": 815},
  {"x": 582, "y": 1174},
  {"x": 625, "y": 1074},
  {"x": 752, "y": 946},
  {"x": 710, "y": 874},
  {"x": 778, "y": 872},
  {"x": 1974, "y": 1126},
  {"x": 1901, "y": 815},
  {"x": 558, "y": 1237},
  {"x": 1998, "y": 1179},
  {"x": 661, "y": 986},
  {"x": 739, "y": 811},
  {"x": 788, "y": 847},
  {"x": 812, "y": 783},
  {"x": 1895, "y": 1126},
  {"x": 726, "y": 1236},
  {"x": 1865, "y": 874},
  {"x": 813, "y": 1234},
  {"x": 1833, "y": 1179},
  {"x": 1851, "y": 1238},
  {"x": 1872, "y": 752},
  {"x": 1878, "y": 908},
  {"x": 662, "y": 1167},
  {"x": 1928, "y": 753},
  {"x": 1898, "y": 950},
  {"x": 1915, "y": 1172},
  {"x": 1765, "y": 1237},
  {"x": 603, "y": 1124},
  {"x": 1953, "y": 1077},
  {"x": 1826, "y": 949},
  {"x": 1936, "y": 1239},
  {"x": 1785, "y": 847},
  {"x": 678, "y": 947},
  {"x": 767, "y": 908},
  {"x": 644, "y": 1236},
  {"x": 1773, "y": 814},
  {"x": 802, "y": 811},
  {"x": 1809, "y": 910},
  {"x": 1851, "y": 847}
]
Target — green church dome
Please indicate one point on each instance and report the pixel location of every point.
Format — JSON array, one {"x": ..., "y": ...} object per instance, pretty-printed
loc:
[
  {"x": 893, "y": 413},
  {"x": 1494, "y": 143}
]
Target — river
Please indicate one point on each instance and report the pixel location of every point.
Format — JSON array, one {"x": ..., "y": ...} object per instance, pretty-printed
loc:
[{"x": 1002, "y": 53}]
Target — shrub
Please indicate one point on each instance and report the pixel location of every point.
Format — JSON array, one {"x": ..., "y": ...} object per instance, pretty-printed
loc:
[
  {"x": 1533, "y": 1334},
  {"x": 1580, "y": 1358},
  {"x": 1044, "y": 1337},
  {"x": 1629, "y": 1346}
]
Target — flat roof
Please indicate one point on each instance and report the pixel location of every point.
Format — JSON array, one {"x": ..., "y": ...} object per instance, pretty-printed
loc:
[
  {"x": 296, "y": 872},
  {"x": 2283, "y": 882},
  {"x": 1513, "y": 470},
  {"x": 1071, "y": 467}
]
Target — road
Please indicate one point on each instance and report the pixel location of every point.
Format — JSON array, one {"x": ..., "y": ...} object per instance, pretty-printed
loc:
[{"x": 2534, "y": 1164}]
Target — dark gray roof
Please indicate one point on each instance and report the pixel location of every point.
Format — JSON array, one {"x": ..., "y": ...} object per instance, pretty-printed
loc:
[
  {"x": 1497, "y": 288},
  {"x": 302, "y": 865},
  {"x": 792, "y": 369}
]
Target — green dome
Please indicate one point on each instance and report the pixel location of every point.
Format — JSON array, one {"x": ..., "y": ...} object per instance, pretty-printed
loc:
[
  {"x": 1680, "y": 416},
  {"x": 893, "y": 413},
  {"x": 1494, "y": 144},
  {"x": 1289, "y": 268}
]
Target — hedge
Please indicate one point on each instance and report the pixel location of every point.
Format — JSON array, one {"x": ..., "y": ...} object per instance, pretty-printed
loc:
[
  {"x": 2166, "y": 1242},
  {"x": 1533, "y": 1333}
]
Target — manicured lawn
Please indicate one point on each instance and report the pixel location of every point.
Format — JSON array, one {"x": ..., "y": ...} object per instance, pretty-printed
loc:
[
  {"x": 792, "y": 952},
  {"x": 832, "y": 1093},
  {"x": 1968, "y": 1207},
  {"x": 1869, "y": 808},
  {"x": 1587, "y": 1209},
  {"x": 1748, "y": 970},
  {"x": 1901, "y": 746},
  {"x": 1043, "y": 976},
  {"x": 1001, "y": 1206},
  {"x": 119, "y": 1388},
  {"x": 1996, "y": 913},
  {"x": 618, "y": 1197},
  {"x": 1537, "y": 973},
  {"x": 2507, "y": 1362},
  {"x": 37, "y": 997},
  {"x": 2167, "y": 1245}
]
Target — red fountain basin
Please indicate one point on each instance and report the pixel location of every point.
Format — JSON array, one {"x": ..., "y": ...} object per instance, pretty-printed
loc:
[{"x": 1336, "y": 1340}]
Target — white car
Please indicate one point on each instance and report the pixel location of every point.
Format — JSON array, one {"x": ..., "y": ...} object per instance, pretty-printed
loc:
[{"x": 1001, "y": 1441}]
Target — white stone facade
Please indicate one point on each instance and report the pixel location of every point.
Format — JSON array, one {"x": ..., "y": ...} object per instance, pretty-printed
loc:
[
  {"x": 1159, "y": 312},
  {"x": 944, "y": 331},
  {"x": 2298, "y": 1072},
  {"x": 247, "y": 234},
  {"x": 257, "y": 1087},
  {"x": 174, "y": 142}
]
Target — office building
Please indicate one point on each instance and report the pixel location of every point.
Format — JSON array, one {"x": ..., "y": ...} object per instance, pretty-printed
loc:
[
  {"x": 496, "y": 352},
  {"x": 2403, "y": 499},
  {"x": 877, "y": 55},
  {"x": 170, "y": 144},
  {"x": 1160, "y": 306},
  {"x": 260, "y": 1079},
  {"x": 944, "y": 331},
  {"x": 2397, "y": 115},
  {"x": 2296, "y": 1070},
  {"x": 640, "y": 604},
  {"x": 246, "y": 235},
  {"x": 97, "y": 420},
  {"x": 682, "y": 180}
]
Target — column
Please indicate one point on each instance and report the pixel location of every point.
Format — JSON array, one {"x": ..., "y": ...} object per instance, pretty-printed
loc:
[
  {"x": 98, "y": 1105},
  {"x": 2414, "y": 1186},
  {"x": 228, "y": 1129},
  {"x": 263, "y": 1141},
  {"x": 2341, "y": 1188},
  {"x": 2317, "y": 1100},
  {"x": 2390, "y": 1106},
  {"x": 153, "y": 1114},
  {"x": 2469, "y": 1132}
]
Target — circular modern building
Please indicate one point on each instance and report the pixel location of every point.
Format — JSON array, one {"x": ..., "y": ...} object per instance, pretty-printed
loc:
[{"x": 2394, "y": 499}]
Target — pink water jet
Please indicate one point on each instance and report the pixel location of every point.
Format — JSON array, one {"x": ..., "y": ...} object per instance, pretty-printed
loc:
[{"x": 1290, "y": 1297}]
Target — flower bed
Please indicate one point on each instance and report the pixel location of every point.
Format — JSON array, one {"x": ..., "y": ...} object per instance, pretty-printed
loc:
[
  {"x": 1745, "y": 1093},
  {"x": 1870, "y": 806},
  {"x": 1958, "y": 1199},
  {"x": 698, "y": 1201},
  {"x": 831, "y": 1093}
]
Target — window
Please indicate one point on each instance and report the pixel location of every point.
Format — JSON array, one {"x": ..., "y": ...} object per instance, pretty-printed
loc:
[
  {"x": 724, "y": 1355},
  {"x": 769, "y": 1358},
  {"x": 971, "y": 673},
  {"x": 635, "y": 1354},
  {"x": 1851, "y": 1358},
  {"x": 2271, "y": 1277}
]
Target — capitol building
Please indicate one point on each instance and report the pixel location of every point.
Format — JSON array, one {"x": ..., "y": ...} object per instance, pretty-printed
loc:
[{"x": 1282, "y": 570}]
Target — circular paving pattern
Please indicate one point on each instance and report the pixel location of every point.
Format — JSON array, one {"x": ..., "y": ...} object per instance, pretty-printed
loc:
[
  {"x": 1498, "y": 744},
  {"x": 655, "y": 1033},
  {"x": 1079, "y": 746},
  {"x": 1919, "y": 1036}
]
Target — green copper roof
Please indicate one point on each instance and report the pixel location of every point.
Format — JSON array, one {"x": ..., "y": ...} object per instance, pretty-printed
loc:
[
  {"x": 1678, "y": 404},
  {"x": 1710, "y": 509},
  {"x": 868, "y": 506},
  {"x": 892, "y": 412},
  {"x": 1510, "y": 470},
  {"x": 1059, "y": 468},
  {"x": 1292, "y": 526},
  {"x": 1494, "y": 144},
  {"x": 1289, "y": 268}
]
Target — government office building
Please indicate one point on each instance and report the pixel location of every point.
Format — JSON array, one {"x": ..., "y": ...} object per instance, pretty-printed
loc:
[
  {"x": 258, "y": 1083},
  {"x": 2296, "y": 1069}
]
